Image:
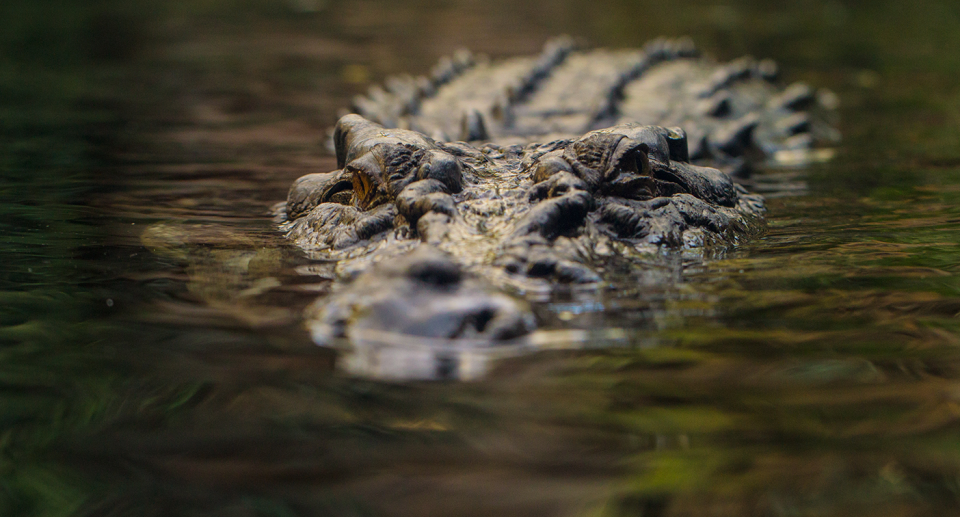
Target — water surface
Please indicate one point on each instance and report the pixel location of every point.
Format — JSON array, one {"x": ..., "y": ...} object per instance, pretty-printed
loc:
[{"x": 153, "y": 360}]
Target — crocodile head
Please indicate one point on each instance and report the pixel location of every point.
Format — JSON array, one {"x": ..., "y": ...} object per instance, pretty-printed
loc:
[
  {"x": 510, "y": 216},
  {"x": 562, "y": 173}
]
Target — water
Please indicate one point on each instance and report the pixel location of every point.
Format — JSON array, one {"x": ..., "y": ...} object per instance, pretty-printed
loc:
[{"x": 813, "y": 371}]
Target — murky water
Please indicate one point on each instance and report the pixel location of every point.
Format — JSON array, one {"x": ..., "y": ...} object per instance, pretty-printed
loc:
[{"x": 813, "y": 371}]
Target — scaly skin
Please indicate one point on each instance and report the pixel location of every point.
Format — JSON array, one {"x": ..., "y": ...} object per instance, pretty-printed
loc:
[
  {"x": 558, "y": 170},
  {"x": 732, "y": 112}
]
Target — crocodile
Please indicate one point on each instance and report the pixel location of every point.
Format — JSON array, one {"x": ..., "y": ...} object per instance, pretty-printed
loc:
[{"x": 526, "y": 175}]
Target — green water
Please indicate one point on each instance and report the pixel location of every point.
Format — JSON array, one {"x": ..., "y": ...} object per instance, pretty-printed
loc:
[{"x": 812, "y": 372}]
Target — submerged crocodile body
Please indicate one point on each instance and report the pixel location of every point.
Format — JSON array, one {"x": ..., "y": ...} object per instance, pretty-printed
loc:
[{"x": 530, "y": 173}]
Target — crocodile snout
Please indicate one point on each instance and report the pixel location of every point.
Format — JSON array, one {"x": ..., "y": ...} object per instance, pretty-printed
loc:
[{"x": 421, "y": 294}]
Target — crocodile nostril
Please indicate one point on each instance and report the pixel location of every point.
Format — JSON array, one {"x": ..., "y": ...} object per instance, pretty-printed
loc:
[
  {"x": 437, "y": 273},
  {"x": 482, "y": 318},
  {"x": 446, "y": 367}
]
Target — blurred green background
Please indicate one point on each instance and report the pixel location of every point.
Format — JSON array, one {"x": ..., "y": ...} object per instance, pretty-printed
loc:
[{"x": 822, "y": 381}]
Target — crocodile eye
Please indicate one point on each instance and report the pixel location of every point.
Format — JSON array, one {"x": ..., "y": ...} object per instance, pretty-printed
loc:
[
  {"x": 362, "y": 187},
  {"x": 364, "y": 177},
  {"x": 677, "y": 144},
  {"x": 631, "y": 157},
  {"x": 628, "y": 164}
]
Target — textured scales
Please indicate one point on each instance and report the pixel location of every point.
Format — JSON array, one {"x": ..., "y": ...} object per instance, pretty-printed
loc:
[
  {"x": 728, "y": 110},
  {"x": 530, "y": 172}
]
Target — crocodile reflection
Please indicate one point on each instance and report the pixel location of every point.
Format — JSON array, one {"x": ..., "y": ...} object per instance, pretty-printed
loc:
[
  {"x": 561, "y": 173},
  {"x": 421, "y": 317}
]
